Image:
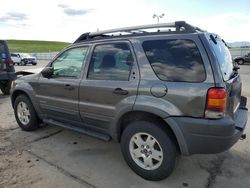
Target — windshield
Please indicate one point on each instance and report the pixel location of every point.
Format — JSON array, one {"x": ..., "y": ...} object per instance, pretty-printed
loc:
[{"x": 223, "y": 56}]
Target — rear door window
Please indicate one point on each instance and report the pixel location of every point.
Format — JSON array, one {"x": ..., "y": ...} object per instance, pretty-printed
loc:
[
  {"x": 111, "y": 62},
  {"x": 175, "y": 60}
]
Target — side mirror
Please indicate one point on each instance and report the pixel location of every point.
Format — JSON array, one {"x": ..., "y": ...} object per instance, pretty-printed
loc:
[{"x": 47, "y": 72}]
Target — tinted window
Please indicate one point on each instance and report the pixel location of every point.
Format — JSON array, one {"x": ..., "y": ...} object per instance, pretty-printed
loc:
[
  {"x": 224, "y": 58},
  {"x": 69, "y": 63},
  {"x": 175, "y": 60},
  {"x": 3, "y": 54},
  {"x": 111, "y": 62}
]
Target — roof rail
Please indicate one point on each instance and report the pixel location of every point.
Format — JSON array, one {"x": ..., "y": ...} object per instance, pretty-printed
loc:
[{"x": 178, "y": 25}]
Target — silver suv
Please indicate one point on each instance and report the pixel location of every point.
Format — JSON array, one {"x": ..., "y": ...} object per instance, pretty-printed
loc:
[{"x": 160, "y": 90}]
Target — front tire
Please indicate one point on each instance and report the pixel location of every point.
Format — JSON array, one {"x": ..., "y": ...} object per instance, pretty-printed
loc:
[
  {"x": 148, "y": 150},
  {"x": 23, "y": 63},
  {"x": 25, "y": 113}
]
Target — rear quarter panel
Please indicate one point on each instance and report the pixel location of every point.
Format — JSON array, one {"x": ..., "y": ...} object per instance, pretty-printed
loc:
[{"x": 182, "y": 98}]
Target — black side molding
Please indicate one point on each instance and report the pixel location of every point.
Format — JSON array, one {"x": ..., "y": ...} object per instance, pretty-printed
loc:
[{"x": 79, "y": 129}]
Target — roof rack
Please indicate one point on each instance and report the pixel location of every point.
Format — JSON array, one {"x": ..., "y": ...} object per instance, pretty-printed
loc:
[{"x": 178, "y": 25}]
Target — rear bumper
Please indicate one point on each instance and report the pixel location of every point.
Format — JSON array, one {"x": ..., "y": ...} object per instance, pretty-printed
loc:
[{"x": 207, "y": 136}]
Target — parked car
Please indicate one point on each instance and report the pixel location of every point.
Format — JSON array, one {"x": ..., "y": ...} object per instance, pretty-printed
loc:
[
  {"x": 243, "y": 59},
  {"x": 27, "y": 59},
  {"x": 159, "y": 94},
  {"x": 15, "y": 58},
  {"x": 7, "y": 71}
]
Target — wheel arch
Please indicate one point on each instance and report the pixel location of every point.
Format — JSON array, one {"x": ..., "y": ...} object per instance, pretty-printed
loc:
[
  {"x": 18, "y": 92},
  {"x": 15, "y": 94},
  {"x": 130, "y": 116}
]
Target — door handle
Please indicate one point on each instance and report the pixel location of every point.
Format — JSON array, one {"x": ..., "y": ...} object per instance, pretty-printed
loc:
[
  {"x": 69, "y": 87},
  {"x": 120, "y": 91}
]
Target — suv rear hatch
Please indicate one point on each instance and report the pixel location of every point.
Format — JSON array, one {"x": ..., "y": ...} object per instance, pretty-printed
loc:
[{"x": 229, "y": 72}]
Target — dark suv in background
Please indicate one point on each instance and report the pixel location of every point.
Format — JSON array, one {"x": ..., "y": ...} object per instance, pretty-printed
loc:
[
  {"x": 243, "y": 59},
  {"x": 159, "y": 90},
  {"x": 7, "y": 70}
]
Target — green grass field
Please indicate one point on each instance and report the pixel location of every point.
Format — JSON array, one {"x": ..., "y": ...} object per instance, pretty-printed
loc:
[{"x": 30, "y": 46}]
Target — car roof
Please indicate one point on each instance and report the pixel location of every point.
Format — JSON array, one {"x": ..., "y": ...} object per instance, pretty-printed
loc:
[{"x": 178, "y": 27}]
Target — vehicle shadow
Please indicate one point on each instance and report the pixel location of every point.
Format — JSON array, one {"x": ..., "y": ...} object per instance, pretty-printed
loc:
[{"x": 90, "y": 160}]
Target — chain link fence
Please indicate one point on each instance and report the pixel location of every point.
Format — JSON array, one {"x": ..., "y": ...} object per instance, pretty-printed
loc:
[
  {"x": 239, "y": 51},
  {"x": 50, "y": 55},
  {"x": 45, "y": 56}
]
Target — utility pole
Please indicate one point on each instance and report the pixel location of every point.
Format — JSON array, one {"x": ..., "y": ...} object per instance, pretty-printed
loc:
[{"x": 158, "y": 17}]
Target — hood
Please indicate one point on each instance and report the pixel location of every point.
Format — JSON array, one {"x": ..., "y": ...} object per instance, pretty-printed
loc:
[{"x": 29, "y": 71}]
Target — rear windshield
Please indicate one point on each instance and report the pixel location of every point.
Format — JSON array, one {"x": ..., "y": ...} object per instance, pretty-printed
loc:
[
  {"x": 223, "y": 56},
  {"x": 3, "y": 54},
  {"x": 175, "y": 60}
]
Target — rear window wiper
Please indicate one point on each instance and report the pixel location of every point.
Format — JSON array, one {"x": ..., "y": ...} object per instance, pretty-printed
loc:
[{"x": 213, "y": 39}]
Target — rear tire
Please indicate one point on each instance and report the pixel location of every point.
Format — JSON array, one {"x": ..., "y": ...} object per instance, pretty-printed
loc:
[
  {"x": 148, "y": 150},
  {"x": 6, "y": 88},
  {"x": 23, "y": 63},
  {"x": 241, "y": 62},
  {"x": 25, "y": 113}
]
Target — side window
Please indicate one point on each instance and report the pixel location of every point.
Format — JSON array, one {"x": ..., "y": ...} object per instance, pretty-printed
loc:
[
  {"x": 69, "y": 63},
  {"x": 175, "y": 60},
  {"x": 111, "y": 62}
]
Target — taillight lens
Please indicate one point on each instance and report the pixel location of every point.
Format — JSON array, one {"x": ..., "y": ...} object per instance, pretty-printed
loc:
[
  {"x": 216, "y": 103},
  {"x": 10, "y": 62}
]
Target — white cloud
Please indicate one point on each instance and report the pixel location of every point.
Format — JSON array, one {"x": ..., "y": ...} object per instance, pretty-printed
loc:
[
  {"x": 230, "y": 26},
  {"x": 73, "y": 12}
]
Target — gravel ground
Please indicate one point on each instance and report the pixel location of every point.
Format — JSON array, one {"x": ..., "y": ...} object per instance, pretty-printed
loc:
[{"x": 56, "y": 157}]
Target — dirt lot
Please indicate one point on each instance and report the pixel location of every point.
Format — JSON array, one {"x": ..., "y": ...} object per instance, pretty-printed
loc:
[{"x": 56, "y": 157}]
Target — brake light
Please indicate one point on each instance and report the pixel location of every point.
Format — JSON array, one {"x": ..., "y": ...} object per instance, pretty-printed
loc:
[
  {"x": 10, "y": 62},
  {"x": 216, "y": 103}
]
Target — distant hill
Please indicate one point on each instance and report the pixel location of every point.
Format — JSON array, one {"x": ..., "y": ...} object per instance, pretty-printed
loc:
[
  {"x": 238, "y": 44},
  {"x": 30, "y": 46}
]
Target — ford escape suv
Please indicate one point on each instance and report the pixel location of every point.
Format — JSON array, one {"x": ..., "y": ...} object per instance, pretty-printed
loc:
[
  {"x": 7, "y": 70},
  {"x": 159, "y": 90}
]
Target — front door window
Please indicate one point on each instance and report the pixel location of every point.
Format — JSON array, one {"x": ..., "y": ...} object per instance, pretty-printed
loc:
[{"x": 69, "y": 64}]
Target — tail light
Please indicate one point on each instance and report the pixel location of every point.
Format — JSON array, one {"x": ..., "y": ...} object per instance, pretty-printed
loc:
[
  {"x": 10, "y": 62},
  {"x": 216, "y": 103}
]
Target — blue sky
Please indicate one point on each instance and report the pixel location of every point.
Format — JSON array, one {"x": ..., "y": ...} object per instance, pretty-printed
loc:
[{"x": 64, "y": 20}]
